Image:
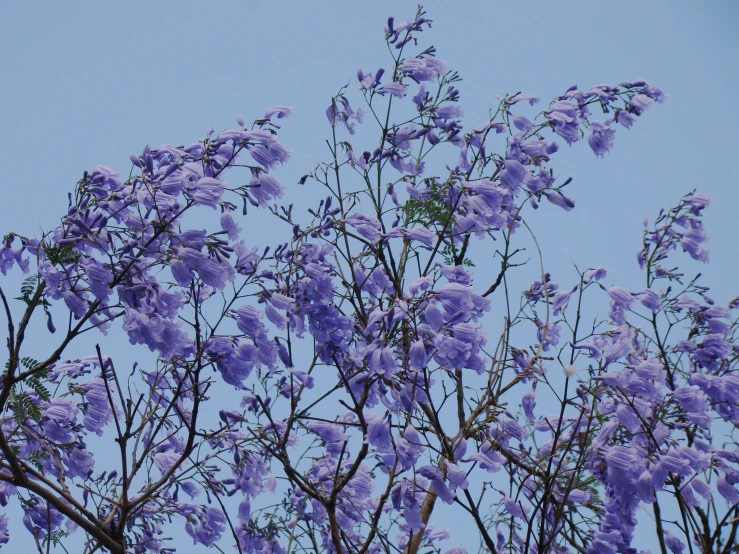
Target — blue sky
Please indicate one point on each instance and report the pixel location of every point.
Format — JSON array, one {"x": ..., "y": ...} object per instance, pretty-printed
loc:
[{"x": 87, "y": 83}]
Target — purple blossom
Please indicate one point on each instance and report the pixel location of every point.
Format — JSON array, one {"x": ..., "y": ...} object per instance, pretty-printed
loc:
[
  {"x": 621, "y": 300},
  {"x": 423, "y": 69},
  {"x": 40, "y": 518},
  {"x": 421, "y": 234},
  {"x": 601, "y": 138},
  {"x": 329, "y": 432},
  {"x": 4, "y": 533},
  {"x": 559, "y": 303},
  {"x": 449, "y": 111},
  {"x": 207, "y": 191},
  {"x": 692, "y": 242},
  {"x": 514, "y": 174},
  {"x": 559, "y": 199},
  {"x": 366, "y": 226},
  {"x": 522, "y": 123},
  {"x": 229, "y": 225},
  {"x": 98, "y": 412},
  {"x": 564, "y": 119},
  {"x": 548, "y": 335},
  {"x": 675, "y": 545},
  {"x": 378, "y": 433},
  {"x": 340, "y": 112},
  {"x": 208, "y": 527},
  {"x": 530, "y": 98},
  {"x": 649, "y": 299},
  {"x": 398, "y": 90},
  {"x": 408, "y": 447},
  {"x": 279, "y": 111}
]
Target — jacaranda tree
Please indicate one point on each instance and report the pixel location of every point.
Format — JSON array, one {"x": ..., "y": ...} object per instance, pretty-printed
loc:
[{"x": 328, "y": 383}]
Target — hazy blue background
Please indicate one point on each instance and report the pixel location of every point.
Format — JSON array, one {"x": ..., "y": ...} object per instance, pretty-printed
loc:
[{"x": 87, "y": 83}]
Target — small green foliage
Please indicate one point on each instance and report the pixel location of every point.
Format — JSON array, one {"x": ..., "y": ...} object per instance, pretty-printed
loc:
[
  {"x": 56, "y": 537},
  {"x": 29, "y": 283},
  {"x": 449, "y": 253},
  {"x": 24, "y": 407},
  {"x": 28, "y": 362},
  {"x": 27, "y": 289},
  {"x": 61, "y": 254},
  {"x": 435, "y": 210},
  {"x": 35, "y": 383},
  {"x": 36, "y": 458}
]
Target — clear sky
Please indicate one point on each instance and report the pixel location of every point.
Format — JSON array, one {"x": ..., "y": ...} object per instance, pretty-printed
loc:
[{"x": 87, "y": 83}]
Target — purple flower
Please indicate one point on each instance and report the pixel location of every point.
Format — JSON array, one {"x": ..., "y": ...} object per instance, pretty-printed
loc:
[
  {"x": 487, "y": 458},
  {"x": 270, "y": 155},
  {"x": 165, "y": 462},
  {"x": 621, "y": 300},
  {"x": 673, "y": 543},
  {"x": 366, "y": 226},
  {"x": 329, "y": 432},
  {"x": 530, "y": 98},
  {"x": 398, "y": 90},
  {"x": 692, "y": 242},
  {"x": 378, "y": 433},
  {"x": 727, "y": 490},
  {"x": 343, "y": 114},
  {"x": 436, "y": 477},
  {"x": 697, "y": 201},
  {"x": 207, "y": 191},
  {"x": 190, "y": 488},
  {"x": 423, "y": 69},
  {"x": 564, "y": 119},
  {"x": 433, "y": 316},
  {"x": 560, "y": 300},
  {"x": 625, "y": 118},
  {"x": 421, "y": 97},
  {"x": 711, "y": 350},
  {"x": 601, "y": 138},
  {"x": 417, "y": 355},
  {"x": 99, "y": 276},
  {"x": 76, "y": 305},
  {"x": 229, "y": 225},
  {"x": 514, "y": 174},
  {"x": 208, "y": 527},
  {"x": 522, "y": 123},
  {"x": 421, "y": 234},
  {"x": 450, "y": 111},
  {"x": 456, "y": 476},
  {"x": 455, "y": 274},
  {"x": 248, "y": 321},
  {"x": 515, "y": 509},
  {"x": 559, "y": 199},
  {"x": 649, "y": 299},
  {"x": 645, "y": 487},
  {"x": 548, "y": 335},
  {"x": 156, "y": 332},
  {"x": 692, "y": 398},
  {"x": 367, "y": 81},
  {"x": 528, "y": 402},
  {"x": 279, "y": 111},
  {"x": 98, "y": 412},
  {"x": 40, "y": 518},
  {"x": 408, "y": 447},
  {"x": 80, "y": 463}
]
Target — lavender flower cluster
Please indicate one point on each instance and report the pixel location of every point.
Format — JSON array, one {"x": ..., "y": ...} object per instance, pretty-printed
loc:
[{"x": 365, "y": 384}]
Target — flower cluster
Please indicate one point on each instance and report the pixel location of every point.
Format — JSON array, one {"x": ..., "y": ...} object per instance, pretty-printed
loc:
[{"x": 350, "y": 361}]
